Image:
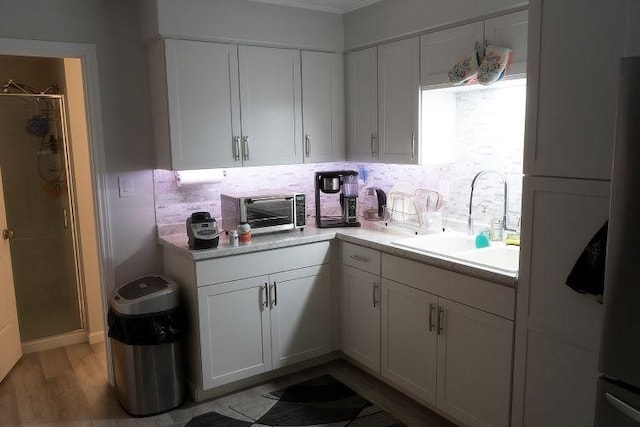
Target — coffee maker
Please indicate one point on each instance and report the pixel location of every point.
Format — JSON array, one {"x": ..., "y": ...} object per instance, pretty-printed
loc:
[{"x": 344, "y": 184}]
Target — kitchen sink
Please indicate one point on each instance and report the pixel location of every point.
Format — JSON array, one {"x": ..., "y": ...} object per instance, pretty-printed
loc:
[
  {"x": 446, "y": 243},
  {"x": 503, "y": 258},
  {"x": 461, "y": 247}
]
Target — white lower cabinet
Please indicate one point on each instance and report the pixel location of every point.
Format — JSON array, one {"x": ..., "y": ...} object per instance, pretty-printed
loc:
[
  {"x": 360, "y": 319},
  {"x": 447, "y": 354},
  {"x": 409, "y": 339},
  {"x": 474, "y": 364},
  {"x": 255, "y": 312},
  {"x": 254, "y": 325}
]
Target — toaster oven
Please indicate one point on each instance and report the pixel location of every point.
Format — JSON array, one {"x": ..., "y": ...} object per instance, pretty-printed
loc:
[{"x": 264, "y": 213}]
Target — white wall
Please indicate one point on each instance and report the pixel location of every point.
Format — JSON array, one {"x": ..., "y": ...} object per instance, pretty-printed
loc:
[
  {"x": 392, "y": 18},
  {"x": 113, "y": 27},
  {"x": 249, "y": 22}
]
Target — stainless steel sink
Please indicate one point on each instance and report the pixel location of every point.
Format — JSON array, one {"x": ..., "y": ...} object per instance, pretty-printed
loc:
[{"x": 461, "y": 247}]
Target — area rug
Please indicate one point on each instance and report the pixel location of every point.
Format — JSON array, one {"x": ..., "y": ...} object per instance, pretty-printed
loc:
[{"x": 321, "y": 401}]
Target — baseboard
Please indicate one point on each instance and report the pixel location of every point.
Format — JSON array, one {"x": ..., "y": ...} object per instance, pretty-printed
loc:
[
  {"x": 96, "y": 337},
  {"x": 48, "y": 343},
  {"x": 200, "y": 395}
]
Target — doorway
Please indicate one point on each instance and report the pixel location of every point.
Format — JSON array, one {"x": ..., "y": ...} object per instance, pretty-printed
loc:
[{"x": 55, "y": 259}]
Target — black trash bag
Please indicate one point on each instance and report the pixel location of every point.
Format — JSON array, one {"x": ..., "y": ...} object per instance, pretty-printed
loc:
[
  {"x": 587, "y": 275},
  {"x": 146, "y": 329}
]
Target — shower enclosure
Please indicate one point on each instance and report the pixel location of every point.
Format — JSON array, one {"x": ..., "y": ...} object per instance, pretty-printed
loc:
[{"x": 34, "y": 159}]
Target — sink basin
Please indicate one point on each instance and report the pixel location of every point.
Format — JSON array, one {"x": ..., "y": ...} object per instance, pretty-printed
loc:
[
  {"x": 503, "y": 258},
  {"x": 461, "y": 247},
  {"x": 446, "y": 243}
]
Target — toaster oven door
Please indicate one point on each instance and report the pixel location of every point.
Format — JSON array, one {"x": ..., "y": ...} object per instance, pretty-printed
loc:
[{"x": 270, "y": 213}]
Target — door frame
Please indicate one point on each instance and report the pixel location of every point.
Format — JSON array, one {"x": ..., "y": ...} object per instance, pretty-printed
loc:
[{"x": 89, "y": 59}]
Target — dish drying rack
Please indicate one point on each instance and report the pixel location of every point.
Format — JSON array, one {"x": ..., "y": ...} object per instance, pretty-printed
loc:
[{"x": 415, "y": 212}]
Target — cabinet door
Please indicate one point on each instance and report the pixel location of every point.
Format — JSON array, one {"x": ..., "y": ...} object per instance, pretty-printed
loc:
[
  {"x": 202, "y": 103},
  {"x": 409, "y": 339},
  {"x": 300, "y": 314},
  {"x": 360, "y": 326},
  {"x": 441, "y": 50},
  {"x": 510, "y": 31},
  {"x": 361, "y": 71},
  {"x": 270, "y": 103},
  {"x": 398, "y": 101},
  {"x": 323, "y": 106},
  {"x": 474, "y": 364},
  {"x": 570, "y": 129},
  {"x": 235, "y": 341}
]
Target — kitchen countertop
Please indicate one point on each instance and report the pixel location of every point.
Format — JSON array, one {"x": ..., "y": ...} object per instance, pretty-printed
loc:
[{"x": 371, "y": 236}]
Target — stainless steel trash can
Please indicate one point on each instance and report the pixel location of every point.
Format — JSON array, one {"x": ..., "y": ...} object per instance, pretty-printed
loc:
[{"x": 146, "y": 330}]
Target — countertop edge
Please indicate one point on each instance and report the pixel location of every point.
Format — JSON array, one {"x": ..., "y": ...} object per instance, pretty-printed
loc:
[{"x": 369, "y": 238}]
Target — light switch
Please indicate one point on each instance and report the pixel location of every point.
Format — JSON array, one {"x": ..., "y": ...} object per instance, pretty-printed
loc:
[{"x": 125, "y": 186}]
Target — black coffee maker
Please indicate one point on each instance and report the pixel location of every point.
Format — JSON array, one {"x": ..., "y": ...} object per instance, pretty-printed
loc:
[
  {"x": 340, "y": 210},
  {"x": 202, "y": 231}
]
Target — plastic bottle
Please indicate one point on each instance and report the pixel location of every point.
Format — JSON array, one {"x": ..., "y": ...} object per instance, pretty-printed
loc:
[
  {"x": 495, "y": 231},
  {"x": 233, "y": 237},
  {"x": 244, "y": 233}
]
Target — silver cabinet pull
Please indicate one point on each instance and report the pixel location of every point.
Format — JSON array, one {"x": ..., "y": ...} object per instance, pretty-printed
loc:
[
  {"x": 373, "y": 147},
  {"x": 264, "y": 297},
  {"x": 375, "y": 302},
  {"x": 413, "y": 145},
  {"x": 245, "y": 147},
  {"x": 8, "y": 234},
  {"x": 359, "y": 258},
  {"x": 623, "y": 407},
  {"x": 275, "y": 293},
  {"x": 236, "y": 148},
  {"x": 439, "y": 326},
  {"x": 65, "y": 218},
  {"x": 307, "y": 145},
  {"x": 431, "y": 308}
]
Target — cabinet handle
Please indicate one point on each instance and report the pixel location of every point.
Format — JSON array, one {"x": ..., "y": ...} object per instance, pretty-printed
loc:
[
  {"x": 413, "y": 145},
  {"x": 275, "y": 293},
  {"x": 439, "y": 326},
  {"x": 245, "y": 148},
  {"x": 359, "y": 258},
  {"x": 431, "y": 325},
  {"x": 373, "y": 147},
  {"x": 375, "y": 302},
  {"x": 236, "y": 148},
  {"x": 307, "y": 144},
  {"x": 264, "y": 297}
]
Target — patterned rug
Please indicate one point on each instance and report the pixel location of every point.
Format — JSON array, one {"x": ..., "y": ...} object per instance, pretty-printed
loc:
[{"x": 321, "y": 401}]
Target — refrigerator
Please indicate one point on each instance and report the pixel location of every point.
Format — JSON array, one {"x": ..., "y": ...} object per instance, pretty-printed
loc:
[{"x": 618, "y": 398}]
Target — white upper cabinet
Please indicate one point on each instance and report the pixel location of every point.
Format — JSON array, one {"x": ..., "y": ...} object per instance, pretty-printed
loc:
[
  {"x": 510, "y": 31},
  {"x": 571, "y": 108},
  {"x": 323, "y": 111},
  {"x": 399, "y": 101},
  {"x": 195, "y": 103},
  {"x": 361, "y": 71},
  {"x": 441, "y": 50},
  {"x": 270, "y": 100},
  {"x": 198, "y": 92}
]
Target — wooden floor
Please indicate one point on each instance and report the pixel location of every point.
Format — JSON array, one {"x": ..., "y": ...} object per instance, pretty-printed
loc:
[{"x": 68, "y": 386}]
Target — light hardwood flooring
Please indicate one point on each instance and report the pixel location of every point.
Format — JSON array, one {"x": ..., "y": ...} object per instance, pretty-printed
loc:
[{"x": 68, "y": 387}]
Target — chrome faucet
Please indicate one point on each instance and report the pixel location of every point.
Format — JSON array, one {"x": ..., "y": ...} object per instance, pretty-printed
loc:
[{"x": 506, "y": 199}]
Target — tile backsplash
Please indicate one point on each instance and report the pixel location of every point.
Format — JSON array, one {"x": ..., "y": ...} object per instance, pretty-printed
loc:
[{"x": 489, "y": 140}]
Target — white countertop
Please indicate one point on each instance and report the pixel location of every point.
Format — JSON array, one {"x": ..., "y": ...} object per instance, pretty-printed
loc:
[{"x": 369, "y": 235}]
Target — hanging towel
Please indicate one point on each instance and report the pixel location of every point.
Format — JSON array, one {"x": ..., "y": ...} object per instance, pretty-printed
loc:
[{"x": 587, "y": 275}]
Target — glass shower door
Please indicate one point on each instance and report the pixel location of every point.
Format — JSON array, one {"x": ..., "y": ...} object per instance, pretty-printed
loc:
[{"x": 39, "y": 209}]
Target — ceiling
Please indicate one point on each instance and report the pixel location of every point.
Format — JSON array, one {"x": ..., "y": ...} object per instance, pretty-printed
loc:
[{"x": 334, "y": 6}]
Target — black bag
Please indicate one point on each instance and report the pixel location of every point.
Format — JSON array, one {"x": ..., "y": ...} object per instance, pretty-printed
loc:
[
  {"x": 146, "y": 329},
  {"x": 587, "y": 275}
]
